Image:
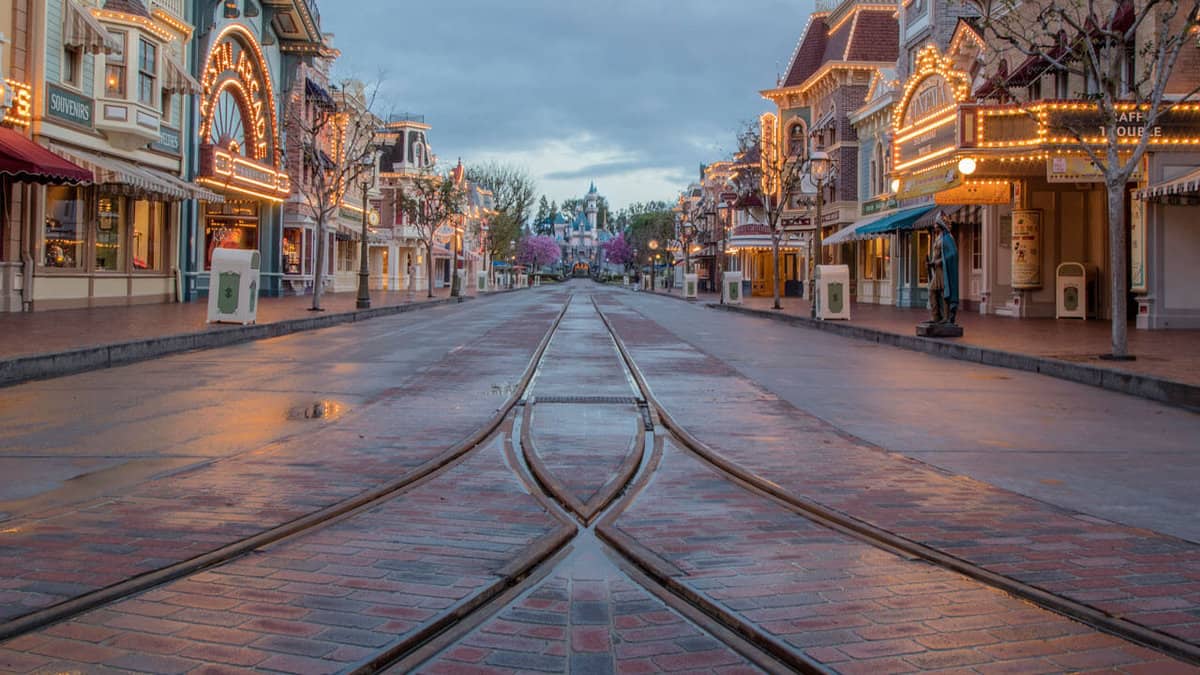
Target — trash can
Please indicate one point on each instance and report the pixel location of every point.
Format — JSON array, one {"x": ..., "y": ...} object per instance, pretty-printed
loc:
[
  {"x": 833, "y": 291},
  {"x": 1076, "y": 291},
  {"x": 625, "y": 280},
  {"x": 481, "y": 282},
  {"x": 233, "y": 286},
  {"x": 689, "y": 285},
  {"x": 731, "y": 288}
]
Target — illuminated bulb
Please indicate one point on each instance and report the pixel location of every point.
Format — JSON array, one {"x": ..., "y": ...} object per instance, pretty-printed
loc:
[
  {"x": 966, "y": 166},
  {"x": 895, "y": 185}
]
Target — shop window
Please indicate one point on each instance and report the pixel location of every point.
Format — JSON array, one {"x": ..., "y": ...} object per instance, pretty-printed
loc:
[
  {"x": 346, "y": 256},
  {"x": 876, "y": 258},
  {"x": 292, "y": 242},
  {"x": 64, "y": 234},
  {"x": 236, "y": 233},
  {"x": 72, "y": 66},
  {"x": 147, "y": 72},
  {"x": 976, "y": 250},
  {"x": 922, "y": 258},
  {"x": 149, "y": 235},
  {"x": 114, "y": 68},
  {"x": 110, "y": 234}
]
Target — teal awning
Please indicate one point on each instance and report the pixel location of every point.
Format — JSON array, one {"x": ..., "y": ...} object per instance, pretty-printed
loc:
[{"x": 900, "y": 220}]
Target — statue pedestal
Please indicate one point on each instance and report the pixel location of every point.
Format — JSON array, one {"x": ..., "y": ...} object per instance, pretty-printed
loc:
[{"x": 939, "y": 330}]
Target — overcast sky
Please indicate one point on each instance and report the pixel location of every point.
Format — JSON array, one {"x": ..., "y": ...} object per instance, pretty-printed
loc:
[{"x": 634, "y": 94}]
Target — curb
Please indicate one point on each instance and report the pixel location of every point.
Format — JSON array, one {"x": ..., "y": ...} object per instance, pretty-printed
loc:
[
  {"x": 74, "y": 361},
  {"x": 1170, "y": 392}
]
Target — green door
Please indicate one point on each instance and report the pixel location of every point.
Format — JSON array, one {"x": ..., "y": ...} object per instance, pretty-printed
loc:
[
  {"x": 1071, "y": 299},
  {"x": 228, "y": 288},
  {"x": 837, "y": 297}
]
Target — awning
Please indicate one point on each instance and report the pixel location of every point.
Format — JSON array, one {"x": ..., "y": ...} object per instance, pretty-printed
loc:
[
  {"x": 24, "y": 161},
  {"x": 84, "y": 31},
  {"x": 118, "y": 175},
  {"x": 853, "y": 232},
  {"x": 177, "y": 79},
  {"x": 904, "y": 219},
  {"x": 1187, "y": 185},
  {"x": 319, "y": 93}
]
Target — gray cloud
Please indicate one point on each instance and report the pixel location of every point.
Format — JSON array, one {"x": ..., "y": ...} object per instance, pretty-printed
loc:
[{"x": 593, "y": 90}]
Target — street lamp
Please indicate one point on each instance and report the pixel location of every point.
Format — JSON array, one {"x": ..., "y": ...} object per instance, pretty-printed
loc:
[
  {"x": 366, "y": 182},
  {"x": 653, "y": 244},
  {"x": 687, "y": 232},
  {"x": 821, "y": 170}
]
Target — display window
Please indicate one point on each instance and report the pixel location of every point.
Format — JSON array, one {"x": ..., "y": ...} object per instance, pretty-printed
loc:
[
  {"x": 149, "y": 236},
  {"x": 293, "y": 241},
  {"x": 922, "y": 257},
  {"x": 236, "y": 233},
  {"x": 876, "y": 258},
  {"x": 64, "y": 234},
  {"x": 110, "y": 234}
]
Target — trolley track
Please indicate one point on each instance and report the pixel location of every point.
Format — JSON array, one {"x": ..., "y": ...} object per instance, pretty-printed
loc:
[
  {"x": 584, "y": 525},
  {"x": 870, "y": 534},
  {"x": 308, "y": 523}
]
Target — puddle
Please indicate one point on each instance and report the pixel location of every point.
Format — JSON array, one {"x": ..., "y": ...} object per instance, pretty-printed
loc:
[{"x": 321, "y": 410}]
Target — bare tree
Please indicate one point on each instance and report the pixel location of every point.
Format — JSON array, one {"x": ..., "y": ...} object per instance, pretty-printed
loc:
[
  {"x": 331, "y": 136},
  {"x": 431, "y": 201},
  {"x": 779, "y": 172},
  {"x": 1122, "y": 53},
  {"x": 511, "y": 186}
]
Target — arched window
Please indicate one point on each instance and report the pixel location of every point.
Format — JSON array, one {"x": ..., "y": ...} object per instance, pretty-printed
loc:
[{"x": 798, "y": 139}]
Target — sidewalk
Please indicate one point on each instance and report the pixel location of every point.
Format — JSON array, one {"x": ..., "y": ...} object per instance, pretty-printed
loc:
[
  {"x": 1162, "y": 356},
  {"x": 38, "y": 345}
]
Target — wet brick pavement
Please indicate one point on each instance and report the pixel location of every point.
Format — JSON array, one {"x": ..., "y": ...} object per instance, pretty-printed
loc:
[
  {"x": 846, "y": 604},
  {"x": 320, "y": 602},
  {"x": 1136, "y": 574},
  {"x": 589, "y": 619},
  {"x": 583, "y": 447},
  {"x": 68, "y": 551}
]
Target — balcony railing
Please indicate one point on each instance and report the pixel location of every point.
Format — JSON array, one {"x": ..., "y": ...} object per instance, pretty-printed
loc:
[
  {"x": 173, "y": 7},
  {"x": 406, "y": 117}
]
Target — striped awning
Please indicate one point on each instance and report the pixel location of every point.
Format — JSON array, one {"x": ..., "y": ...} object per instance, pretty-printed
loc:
[
  {"x": 84, "y": 31},
  {"x": 1187, "y": 185},
  {"x": 123, "y": 177},
  {"x": 176, "y": 78}
]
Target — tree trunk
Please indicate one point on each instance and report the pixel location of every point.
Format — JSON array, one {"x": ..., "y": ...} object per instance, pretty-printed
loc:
[
  {"x": 775, "y": 273},
  {"x": 1117, "y": 249},
  {"x": 318, "y": 275},
  {"x": 429, "y": 268}
]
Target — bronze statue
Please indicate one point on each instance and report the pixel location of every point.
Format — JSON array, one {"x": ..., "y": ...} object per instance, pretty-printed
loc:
[{"x": 943, "y": 282}]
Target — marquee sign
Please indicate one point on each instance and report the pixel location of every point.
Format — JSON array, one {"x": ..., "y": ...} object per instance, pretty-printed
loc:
[
  {"x": 1061, "y": 123},
  {"x": 238, "y": 127},
  {"x": 924, "y": 127}
]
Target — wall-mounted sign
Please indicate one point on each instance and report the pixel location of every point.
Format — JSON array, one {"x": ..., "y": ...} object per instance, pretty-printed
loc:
[
  {"x": 67, "y": 106},
  {"x": 1027, "y": 249},
  {"x": 1075, "y": 169},
  {"x": 1137, "y": 246},
  {"x": 169, "y": 141},
  {"x": 932, "y": 142},
  {"x": 929, "y": 182},
  {"x": 925, "y": 124},
  {"x": 976, "y": 193},
  {"x": 879, "y": 205}
]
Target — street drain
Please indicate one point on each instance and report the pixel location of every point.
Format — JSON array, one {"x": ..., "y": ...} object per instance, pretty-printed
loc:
[{"x": 321, "y": 410}]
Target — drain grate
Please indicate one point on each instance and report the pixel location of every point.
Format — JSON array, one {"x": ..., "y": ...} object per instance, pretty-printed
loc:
[{"x": 595, "y": 400}]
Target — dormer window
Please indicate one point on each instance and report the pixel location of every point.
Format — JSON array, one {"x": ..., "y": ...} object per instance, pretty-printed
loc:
[
  {"x": 147, "y": 72},
  {"x": 114, "y": 68}
]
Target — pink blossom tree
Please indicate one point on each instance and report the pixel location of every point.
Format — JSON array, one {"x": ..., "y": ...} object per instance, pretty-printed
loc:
[
  {"x": 538, "y": 251},
  {"x": 618, "y": 251}
]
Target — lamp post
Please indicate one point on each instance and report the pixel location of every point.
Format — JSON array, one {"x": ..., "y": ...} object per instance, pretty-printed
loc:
[
  {"x": 820, "y": 170},
  {"x": 687, "y": 232},
  {"x": 653, "y": 244},
  {"x": 367, "y": 180}
]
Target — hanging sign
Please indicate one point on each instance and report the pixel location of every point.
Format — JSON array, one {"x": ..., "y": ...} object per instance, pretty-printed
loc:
[
  {"x": 1027, "y": 249},
  {"x": 929, "y": 182}
]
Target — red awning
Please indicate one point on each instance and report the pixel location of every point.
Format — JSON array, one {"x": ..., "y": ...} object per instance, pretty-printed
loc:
[{"x": 23, "y": 160}]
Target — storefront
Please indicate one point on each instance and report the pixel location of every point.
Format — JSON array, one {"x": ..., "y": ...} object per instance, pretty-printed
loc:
[
  {"x": 111, "y": 99},
  {"x": 239, "y": 159}
]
